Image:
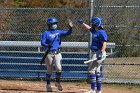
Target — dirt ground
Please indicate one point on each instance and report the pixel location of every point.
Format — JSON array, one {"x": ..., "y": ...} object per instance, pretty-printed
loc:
[{"x": 12, "y": 86}]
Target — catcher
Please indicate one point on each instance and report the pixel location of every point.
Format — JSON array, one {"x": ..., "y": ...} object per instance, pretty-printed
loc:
[
  {"x": 51, "y": 39},
  {"x": 98, "y": 47}
]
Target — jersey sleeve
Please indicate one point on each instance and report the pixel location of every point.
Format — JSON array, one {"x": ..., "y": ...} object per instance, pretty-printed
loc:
[
  {"x": 103, "y": 36},
  {"x": 43, "y": 39},
  {"x": 65, "y": 32},
  {"x": 92, "y": 30}
]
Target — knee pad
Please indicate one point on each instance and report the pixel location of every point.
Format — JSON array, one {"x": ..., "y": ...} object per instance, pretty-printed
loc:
[
  {"x": 93, "y": 77},
  {"x": 99, "y": 78}
]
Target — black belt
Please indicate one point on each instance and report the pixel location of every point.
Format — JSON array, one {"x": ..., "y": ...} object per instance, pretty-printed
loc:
[{"x": 54, "y": 51}]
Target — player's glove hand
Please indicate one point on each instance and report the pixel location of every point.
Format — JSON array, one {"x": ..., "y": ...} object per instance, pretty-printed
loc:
[
  {"x": 81, "y": 21},
  {"x": 70, "y": 23}
]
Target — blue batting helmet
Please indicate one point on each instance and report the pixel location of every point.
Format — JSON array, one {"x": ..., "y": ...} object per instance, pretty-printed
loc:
[
  {"x": 52, "y": 20},
  {"x": 96, "y": 21}
]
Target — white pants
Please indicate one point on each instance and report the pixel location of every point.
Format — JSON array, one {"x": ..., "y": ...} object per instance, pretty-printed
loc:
[
  {"x": 94, "y": 67},
  {"x": 53, "y": 59}
]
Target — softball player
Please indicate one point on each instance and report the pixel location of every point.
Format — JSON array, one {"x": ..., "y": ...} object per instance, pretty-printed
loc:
[
  {"x": 98, "y": 47},
  {"x": 51, "y": 39}
]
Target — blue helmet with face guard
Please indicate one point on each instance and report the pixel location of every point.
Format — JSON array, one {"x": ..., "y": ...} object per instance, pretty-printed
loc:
[
  {"x": 96, "y": 22},
  {"x": 52, "y": 23},
  {"x": 52, "y": 20}
]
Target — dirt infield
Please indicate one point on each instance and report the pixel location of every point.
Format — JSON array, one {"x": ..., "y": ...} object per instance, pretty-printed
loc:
[{"x": 78, "y": 87}]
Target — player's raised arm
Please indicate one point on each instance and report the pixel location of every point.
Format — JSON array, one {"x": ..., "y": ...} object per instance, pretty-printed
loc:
[
  {"x": 69, "y": 31},
  {"x": 81, "y": 21},
  {"x": 70, "y": 26}
]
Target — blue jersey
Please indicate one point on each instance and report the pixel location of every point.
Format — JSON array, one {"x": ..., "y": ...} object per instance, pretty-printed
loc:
[
  {"x": 98, "y": 37},
  {"x": 49, "y": 36}
]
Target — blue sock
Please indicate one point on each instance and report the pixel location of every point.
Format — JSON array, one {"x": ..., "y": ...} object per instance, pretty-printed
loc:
[
  {"x": 99, "y": 82},
  {"x": 48, "y": 76},
  {"x": 58, "y": 76},
  {"x": 93, "y": 81}
]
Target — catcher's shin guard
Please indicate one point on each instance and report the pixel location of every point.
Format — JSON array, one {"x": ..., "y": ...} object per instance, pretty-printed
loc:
[
  {"x": 93, "y": 81},
  {"x": 99, "y": 82}
]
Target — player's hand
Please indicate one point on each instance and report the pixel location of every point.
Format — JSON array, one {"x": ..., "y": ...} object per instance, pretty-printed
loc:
[
  {"x": 49, "y": 46},
  {"x": 101, "y": 56},
  {"x": 70, "y": 23},
  {"x": 81, "y": 21}
]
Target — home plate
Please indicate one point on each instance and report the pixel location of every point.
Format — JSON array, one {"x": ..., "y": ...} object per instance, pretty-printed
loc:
[{"x": 83, "y": 90}]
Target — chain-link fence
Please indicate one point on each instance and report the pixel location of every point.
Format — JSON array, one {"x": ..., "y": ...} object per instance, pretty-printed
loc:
[
  {"x": 121, "y": 22},
  {"x": 122, "y": 25}
]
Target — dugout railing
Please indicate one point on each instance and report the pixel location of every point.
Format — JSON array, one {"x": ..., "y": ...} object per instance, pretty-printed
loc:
[{"x": 24, "y": 63}]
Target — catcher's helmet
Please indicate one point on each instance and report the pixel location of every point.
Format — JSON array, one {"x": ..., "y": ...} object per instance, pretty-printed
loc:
[
  {"x": 96, "y": 22},
  {"x": 52, "y": 20}
]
